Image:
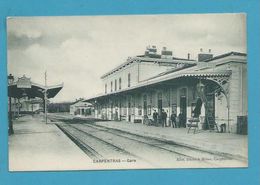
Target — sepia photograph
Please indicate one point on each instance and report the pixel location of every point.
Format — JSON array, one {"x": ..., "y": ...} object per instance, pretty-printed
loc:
[{"x": 162, "y": 91}]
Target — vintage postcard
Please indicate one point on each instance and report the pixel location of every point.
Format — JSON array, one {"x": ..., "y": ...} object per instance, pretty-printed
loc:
[{"x": 127, "y": 92}]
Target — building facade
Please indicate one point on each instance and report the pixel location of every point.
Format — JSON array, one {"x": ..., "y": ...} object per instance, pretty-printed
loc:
[
  {"x": 156, "y": 82},
  {"x": 25, "y": 105},
  {"x": 81, "y": 108}
]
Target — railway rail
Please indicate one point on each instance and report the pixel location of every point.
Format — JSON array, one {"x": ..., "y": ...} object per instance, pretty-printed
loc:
[{"x": 101, "y": 142}]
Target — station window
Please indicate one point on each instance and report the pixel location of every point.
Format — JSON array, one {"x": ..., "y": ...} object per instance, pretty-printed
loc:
[
  {"x": 99, "y": 110},
  {"x": 120, "y": 82},
  {"x": 129, "y": 79},
  {"x": 151, "y": 99},
  {"x": 149, "y": 110},
  {"x": 111, "y": 84},
  {"x": 115, "y": 85},
  {"x": 139, "y": 110},
  {"x": 124, "y": 110}
]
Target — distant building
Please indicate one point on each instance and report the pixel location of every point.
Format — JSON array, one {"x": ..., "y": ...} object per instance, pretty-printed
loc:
[
  {"x": 59, "y": 107},
  {"x": 81, "y": 108},
  {"x": 26, "y": 106},
  {"x": 153, "y": 82}
]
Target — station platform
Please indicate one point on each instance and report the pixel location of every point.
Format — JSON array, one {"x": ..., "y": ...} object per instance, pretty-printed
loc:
[
  {"x": 36, "y": 146},
  {"x": 231, "y": 144}
]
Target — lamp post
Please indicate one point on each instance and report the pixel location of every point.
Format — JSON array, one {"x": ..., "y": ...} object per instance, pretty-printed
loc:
[
  {"x": 10, "y": 129},
  {"x": 45, "y": 97}
]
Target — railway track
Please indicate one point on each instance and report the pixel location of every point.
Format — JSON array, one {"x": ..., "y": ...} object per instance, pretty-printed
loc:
[
  {"x": 81, "y": 144},
  {"x": 114, "y": 139},
  {"x": 165, "y": 144},
  {"x": 97, "y": 148}
]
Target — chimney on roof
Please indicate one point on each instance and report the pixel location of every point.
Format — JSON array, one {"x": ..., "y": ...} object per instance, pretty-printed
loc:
[
  {"x": 203, "y": 56},
  {"x": 188, "y": 56},
  {"x": 166, "y": 53},
  {"x": 151, "y": 52}
]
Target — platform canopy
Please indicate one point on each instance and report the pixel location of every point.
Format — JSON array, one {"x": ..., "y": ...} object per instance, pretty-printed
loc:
[
  {"x": 25, "y": 87},
  {"x": 183, "y": 74}
]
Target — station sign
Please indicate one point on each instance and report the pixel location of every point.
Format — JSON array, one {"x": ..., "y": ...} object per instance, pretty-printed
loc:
[{"x": 24, "y": 83}]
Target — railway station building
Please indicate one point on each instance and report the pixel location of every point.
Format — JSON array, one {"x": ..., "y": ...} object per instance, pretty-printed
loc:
[
  {"x": 24, "y": 105},
  {"x": 81, "y": 108},
  {"x": 156, "y": 82}
]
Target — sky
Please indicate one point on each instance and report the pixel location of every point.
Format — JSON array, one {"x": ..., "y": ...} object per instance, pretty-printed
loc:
[{"x": 78, "y": 50}]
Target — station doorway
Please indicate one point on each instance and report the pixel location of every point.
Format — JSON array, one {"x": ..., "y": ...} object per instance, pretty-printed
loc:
[
  {"x": 129, "y": 111},
  {"x": 159, "y": 104},
  {"x": 183, "y": 110},
  {"x": 145, "y": 104}
]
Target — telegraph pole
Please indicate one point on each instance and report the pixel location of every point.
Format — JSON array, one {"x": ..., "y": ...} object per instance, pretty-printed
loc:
[{"x": 45, "y": 96}]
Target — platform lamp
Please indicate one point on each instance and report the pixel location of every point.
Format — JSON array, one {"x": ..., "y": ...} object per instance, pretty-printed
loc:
[{"x": 10, "y": 129}]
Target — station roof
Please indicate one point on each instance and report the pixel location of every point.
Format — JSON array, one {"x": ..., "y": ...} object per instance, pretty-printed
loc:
[
  {"x": 143, "y": 58},
  {"x": 232, "y": 53},
  {"x": 81, "y": 103},
  {"x": 24, "y": 87}
]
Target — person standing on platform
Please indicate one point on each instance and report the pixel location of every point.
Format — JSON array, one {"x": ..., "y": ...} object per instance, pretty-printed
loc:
[
  {"x": 164, "y": 118},
  {"x": 116, "y": 115},
  {"x": 155, "y": 117},
  {"x": 173, "y": 120},
  {"x": 181, "y": 119},
  {"x": 197, "y": 111}
]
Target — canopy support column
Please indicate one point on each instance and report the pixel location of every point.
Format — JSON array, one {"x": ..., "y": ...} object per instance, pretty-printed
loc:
[{"x": 222, "y": 82}]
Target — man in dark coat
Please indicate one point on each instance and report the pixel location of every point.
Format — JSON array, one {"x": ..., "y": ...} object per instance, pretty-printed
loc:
[
  {"x": 155, "y": 117},
  {"x": 173, "y": 120},
  {"x": 164, "y": 118},
  {"x": 181, "y": 120},
  {"x": 197, "y": 110}
]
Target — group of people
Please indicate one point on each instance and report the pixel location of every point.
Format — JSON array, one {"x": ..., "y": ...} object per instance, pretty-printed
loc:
[{"x": 175, "y": 122}]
